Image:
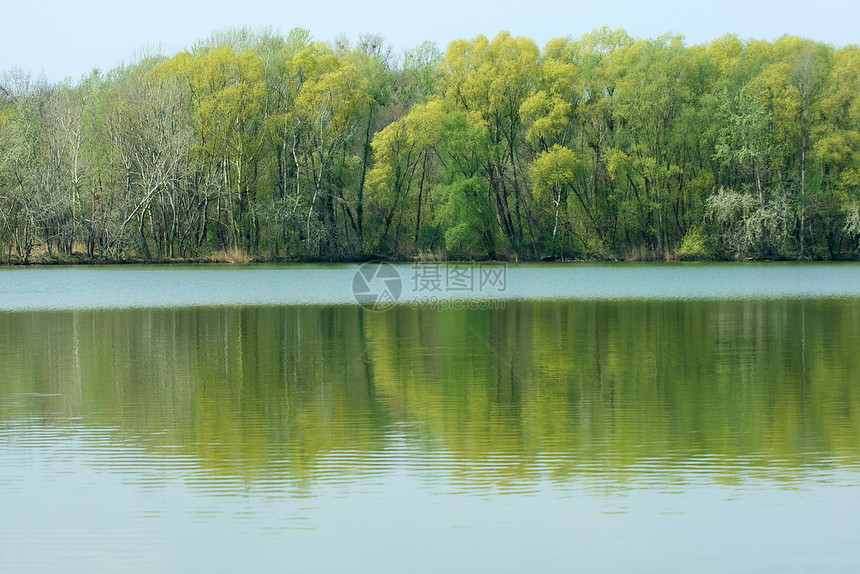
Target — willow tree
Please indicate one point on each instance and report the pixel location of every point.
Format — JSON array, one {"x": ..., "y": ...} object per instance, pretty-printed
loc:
[
  {"x": 554, "y": 178},
  {"x": 227, "y": 102},
  {"x": 404, "y": 155},
  {"x": 327, "y": 110},
  {"x": 489, "y": 81},
  {"x": 836, "y": 149}
]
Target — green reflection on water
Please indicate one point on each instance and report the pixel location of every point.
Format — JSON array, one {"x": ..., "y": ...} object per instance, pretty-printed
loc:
[{"x": 550, "y": 389}]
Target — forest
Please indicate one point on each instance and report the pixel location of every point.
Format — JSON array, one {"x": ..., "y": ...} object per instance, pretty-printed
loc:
[{"x": 255, "y": 145}]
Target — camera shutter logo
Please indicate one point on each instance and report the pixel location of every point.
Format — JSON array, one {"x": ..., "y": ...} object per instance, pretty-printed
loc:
[{"x": 377, "y": 286}]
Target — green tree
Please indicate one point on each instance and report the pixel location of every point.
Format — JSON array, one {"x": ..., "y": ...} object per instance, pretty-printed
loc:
[
  {"x": 554, "y": 176},
  {"x": 489, "y": 81},
  {"x": 404, "y": 154}
]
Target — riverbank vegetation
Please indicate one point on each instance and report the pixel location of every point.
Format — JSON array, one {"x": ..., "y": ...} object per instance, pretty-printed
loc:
[{"x": 257, "y": 145}]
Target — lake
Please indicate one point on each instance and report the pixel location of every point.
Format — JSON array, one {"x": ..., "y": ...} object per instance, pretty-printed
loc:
[{"x": 430, "y": 418}]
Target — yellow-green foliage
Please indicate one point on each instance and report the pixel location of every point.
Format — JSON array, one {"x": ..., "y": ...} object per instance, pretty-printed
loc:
[
  {"x": 694, "y": 245},
  {"x": 287, "y": 147}
]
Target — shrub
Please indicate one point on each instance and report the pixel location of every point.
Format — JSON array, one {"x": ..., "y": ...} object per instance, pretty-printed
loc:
[{"x": 694, "y": 246}]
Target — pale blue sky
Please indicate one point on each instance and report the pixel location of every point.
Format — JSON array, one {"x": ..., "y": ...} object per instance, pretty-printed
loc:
[{"x": 67, "y": 38}]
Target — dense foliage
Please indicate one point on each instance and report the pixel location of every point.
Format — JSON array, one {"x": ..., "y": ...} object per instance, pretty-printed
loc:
[{"x": 604, "y": 146}]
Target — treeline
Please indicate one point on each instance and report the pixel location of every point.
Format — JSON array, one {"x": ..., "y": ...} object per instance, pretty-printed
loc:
[{"x": 280, "y": 147}]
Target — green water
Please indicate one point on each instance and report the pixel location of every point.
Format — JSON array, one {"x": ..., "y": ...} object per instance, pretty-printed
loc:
[{"x": 560, "y": 435}]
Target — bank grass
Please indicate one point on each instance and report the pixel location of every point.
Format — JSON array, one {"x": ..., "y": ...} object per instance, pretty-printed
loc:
[
  {"x": 646, "y": 253},
  {"x": 430, "y": 256},
  {"x": 232, "y": 255}
]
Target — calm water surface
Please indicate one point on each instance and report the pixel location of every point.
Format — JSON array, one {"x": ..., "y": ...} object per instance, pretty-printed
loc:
[{"x": 594, "y": 419}]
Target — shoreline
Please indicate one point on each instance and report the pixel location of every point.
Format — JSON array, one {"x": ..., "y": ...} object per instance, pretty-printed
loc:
[{"x": 366, "y": 258}]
